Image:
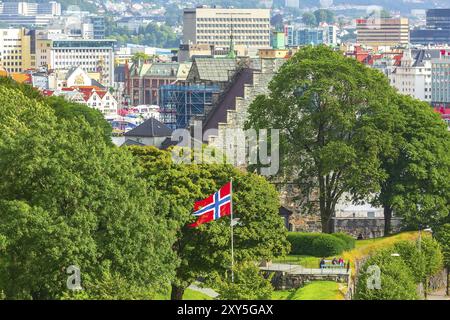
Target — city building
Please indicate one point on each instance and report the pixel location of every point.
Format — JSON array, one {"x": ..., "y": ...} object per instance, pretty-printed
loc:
[
  {"x": 440, "y": 80},
  {"x": 437, "y": 29},
  {"x": 91, "y": 96},
  {"x": 59, "y": 52},
  {"x": 15, "y": 50},
  {"x": 249, "y": 28},
  {"x": 144, "y": 80},
  {"x": 382, "y": 31},
  {"x": 302, "y": 36},
  {"x": 412, "y": 75},
  {"x": 149, "y": 133},
  {"x": 29, "y": 13}
]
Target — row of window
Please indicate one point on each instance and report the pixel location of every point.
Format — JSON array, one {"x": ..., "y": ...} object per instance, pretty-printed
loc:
[
  {"x": 215, "y": 26},
  {"x": 234, "y": 19},
  {"x": 244, "y": 39},
  {"x": 82, "y": 50},
  {"x": 227, "y": 31}
]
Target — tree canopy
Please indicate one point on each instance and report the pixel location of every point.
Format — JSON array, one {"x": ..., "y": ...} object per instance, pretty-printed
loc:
[
  {"x": 207, "y": 248},
  {"x": 417, "y": 187},
  {"x": 68, "y": 198},
  {"x": 325, "y": 106}
]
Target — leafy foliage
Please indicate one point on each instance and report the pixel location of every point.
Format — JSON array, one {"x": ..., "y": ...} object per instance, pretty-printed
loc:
[
  {"x": 261, "y": 235},
  {"x": 325, "y": 105},
  {"x": 417, "y": 187},
  {"x": 248, "y": 284},
  {"x": 319, "y": 244},
  {"x": 68, "y": 198},
  {"x": 397, "y": 280}
]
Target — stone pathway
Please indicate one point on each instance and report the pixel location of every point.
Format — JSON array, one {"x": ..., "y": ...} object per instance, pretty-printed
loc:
[
  {"x": 438, "y": 295},
  {"x": 208, "y": 291}
]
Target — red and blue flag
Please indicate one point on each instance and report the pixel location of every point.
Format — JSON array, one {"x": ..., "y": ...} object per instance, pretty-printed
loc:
[{"x": 214, "y": 207}]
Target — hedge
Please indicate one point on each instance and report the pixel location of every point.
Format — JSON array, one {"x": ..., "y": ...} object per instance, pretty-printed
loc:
[
  {"x": 349, "y": 240},
  {"x": 319, "y": 244}
]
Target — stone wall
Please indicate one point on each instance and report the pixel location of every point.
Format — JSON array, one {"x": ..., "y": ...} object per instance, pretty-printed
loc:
[{"x": 366, "y": 227}]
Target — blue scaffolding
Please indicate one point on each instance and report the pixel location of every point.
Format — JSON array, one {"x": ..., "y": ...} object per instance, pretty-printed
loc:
[{"x": 179, "y": 103}]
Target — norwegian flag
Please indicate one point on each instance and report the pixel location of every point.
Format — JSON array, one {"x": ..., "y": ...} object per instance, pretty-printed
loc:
[{"x": 214, "y": 207}]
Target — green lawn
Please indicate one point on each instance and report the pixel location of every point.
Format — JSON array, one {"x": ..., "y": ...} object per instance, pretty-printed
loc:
[
  {"x": 316, "y": 290},
  {"x": 305, "y": 261},
  {"x": 362, "y": 249}
]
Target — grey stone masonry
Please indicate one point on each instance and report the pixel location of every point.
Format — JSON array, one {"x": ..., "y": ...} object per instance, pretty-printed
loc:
[{"x": 235, "y": 119}]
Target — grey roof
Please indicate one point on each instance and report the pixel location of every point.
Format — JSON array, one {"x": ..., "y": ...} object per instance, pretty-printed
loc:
[
  {"x": 419, "y": 55},
  {"x": 150, "y": 128},
  {"x": 215, "y": 69}
]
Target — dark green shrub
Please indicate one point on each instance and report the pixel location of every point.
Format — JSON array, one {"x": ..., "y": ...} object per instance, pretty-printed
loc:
[
  {"x": 349, "y": 240},
  {"x": 319, "y": 244},
  {"x": 326, "y": 245},
  {"x": 301, "y": 242}
]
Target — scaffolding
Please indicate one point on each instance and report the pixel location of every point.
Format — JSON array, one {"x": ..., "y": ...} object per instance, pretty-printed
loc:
[{"x": 180, "y": 103}]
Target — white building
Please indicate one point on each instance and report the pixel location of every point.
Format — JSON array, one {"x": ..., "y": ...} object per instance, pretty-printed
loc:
[
  {"x": 413, "y": 75},
  {"x": 60, "y": 52},
  {"x": 214, "y": 26}
]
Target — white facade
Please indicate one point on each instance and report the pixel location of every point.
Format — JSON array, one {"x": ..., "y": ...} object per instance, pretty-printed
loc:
[
  {"x": 94, "y": 56},
  {"x": 411, "y": 79},
  {"x": 250, "y": 27}
]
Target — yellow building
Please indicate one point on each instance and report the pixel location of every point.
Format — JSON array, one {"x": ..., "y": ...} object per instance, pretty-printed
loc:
[
  {"x": 273, "y": 53},
  {"x": 15, "y": 55}
]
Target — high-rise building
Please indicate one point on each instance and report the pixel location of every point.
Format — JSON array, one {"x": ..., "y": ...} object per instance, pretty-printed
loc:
[
  {"x": 249, "y": 28},
  {"x": 382, "y": 31},
  {"x": 438, "y": 19},
  {"x": 440, "y": 80},
  {"x": 59, "y": 52},
  {"x": 437, "y": 30},
  {"x": 15, "y": 55}
]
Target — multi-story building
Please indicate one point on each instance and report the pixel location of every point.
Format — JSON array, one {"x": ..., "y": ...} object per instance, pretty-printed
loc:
[
  {"x": 437, "y": 29},
  {"x": 412, "y": 75},
  {"x": 440, "y": 80},
  {"x": 144, "y": 80},
  {"x": 382, "y": 31},
  {"x": 15, "y": 50},
  {"x": 301, "y": 36},
  {"x": 29, "y": 14},
  {"x": 249, "y": 28},
  {"x": 59, "y": 52}
]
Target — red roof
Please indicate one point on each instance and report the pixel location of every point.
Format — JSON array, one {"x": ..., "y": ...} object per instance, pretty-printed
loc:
[{"x": 47, "y": 93}]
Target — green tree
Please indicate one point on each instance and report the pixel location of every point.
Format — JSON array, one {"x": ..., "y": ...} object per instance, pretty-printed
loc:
[
  {"x": 69, "y": 198},
  {"x": 443, "y": 236},
  {"x": 202, "y": 250},
  {"x": 248, "y": 284},
  {"x": 63, "y": 109},
  {"x": 324, "y": 15},
  {"x": 396, "y": 279},
  {"x": 431, "y": 251},
  {"x": 309, "y": 19},
  {"x": 140, "y": 57},
  {"x": 417, "y": 187},
  {"x": 325, "y": 105}
]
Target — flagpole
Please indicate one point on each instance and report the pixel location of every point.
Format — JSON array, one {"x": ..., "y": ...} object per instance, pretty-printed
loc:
[{"x": 232, "y": 236}]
